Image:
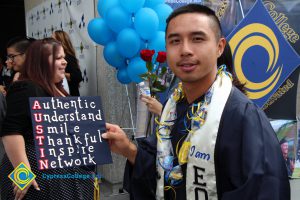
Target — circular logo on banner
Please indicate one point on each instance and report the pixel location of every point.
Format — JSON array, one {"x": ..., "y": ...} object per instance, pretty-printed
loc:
[{"x": 260, "y": 40}]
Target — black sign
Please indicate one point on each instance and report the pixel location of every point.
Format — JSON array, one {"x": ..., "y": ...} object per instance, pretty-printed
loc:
[{"x": 67, "y": 132}]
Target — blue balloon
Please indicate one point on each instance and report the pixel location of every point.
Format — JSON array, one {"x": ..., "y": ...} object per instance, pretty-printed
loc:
[
  {"x": 146, "y": 23},
  {"x": 163, "y": 11},
  {"x": 128, "y": 42},
  {"x": 99, "y": 31},
  {"x": 132, "y": 6},
  {"x": 104, "y": 5},
  {"x": 118, "y": 19},
  {"x": 122, "y": 67},
  {"x": 112, "y": 56},
  {"x": 123, "y": 77},
  {"x": 144, "y": 45},
  {"x": 135, "y": 68},
  {"x": 158, "y": 43},
  {"x": 153, "y": 3}
]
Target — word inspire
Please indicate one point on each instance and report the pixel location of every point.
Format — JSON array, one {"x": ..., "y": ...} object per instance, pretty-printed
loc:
[{"x": 67, "y": 147}]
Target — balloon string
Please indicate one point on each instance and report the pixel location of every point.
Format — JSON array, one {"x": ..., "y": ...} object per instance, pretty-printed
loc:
[{"x": 131, "y": 117}]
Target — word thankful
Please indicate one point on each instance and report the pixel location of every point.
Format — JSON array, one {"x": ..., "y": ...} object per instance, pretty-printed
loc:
[{"x": 67, "y": 131}]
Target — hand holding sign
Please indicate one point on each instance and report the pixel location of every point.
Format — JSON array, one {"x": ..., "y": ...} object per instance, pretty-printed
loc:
[{"x": 119, "y": 142}]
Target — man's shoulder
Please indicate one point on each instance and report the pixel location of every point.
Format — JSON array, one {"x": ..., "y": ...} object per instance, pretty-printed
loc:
[
  {"x": 240, "y": 106},
  {"x": 237, "y": 97},
  {"x": 238, "y": 103},
  {"x": 236, "y": 100}
]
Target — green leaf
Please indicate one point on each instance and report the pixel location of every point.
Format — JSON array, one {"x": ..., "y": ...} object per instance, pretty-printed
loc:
[
  {"x": 162, "y": 87},
  {"x": 149, "y": 66},
  {"x": 163, "y": 70},
  {"x": 144, "y": 78},
  {"x": 153, "y": 77},
  {"x": 158, "y": 87},
  {"x": 144, "y": 75}
]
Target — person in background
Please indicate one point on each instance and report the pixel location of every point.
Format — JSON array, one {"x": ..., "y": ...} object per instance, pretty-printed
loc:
[
  {"x": 16, "y": 53},
  {"x": 6, "y": 76},
  {"x": 41, "y": 76},
  {"x": 73, "y": 73},
  {"x": 154, "y": 106},
  {"x": 290, "y": 165},
  {"x": 212, "y": 142}
]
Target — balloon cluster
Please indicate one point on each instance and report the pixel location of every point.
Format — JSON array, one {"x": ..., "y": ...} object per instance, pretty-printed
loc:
[{"x": 126, "y": 27}]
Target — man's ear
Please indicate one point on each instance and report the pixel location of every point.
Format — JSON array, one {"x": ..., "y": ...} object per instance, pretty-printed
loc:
[{"x": 221, "y": 46}]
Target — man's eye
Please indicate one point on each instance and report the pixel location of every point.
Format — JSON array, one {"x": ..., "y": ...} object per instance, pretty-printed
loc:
[
  {"x": 174, "y": 41},
  {"x": 197, "y": 39}
]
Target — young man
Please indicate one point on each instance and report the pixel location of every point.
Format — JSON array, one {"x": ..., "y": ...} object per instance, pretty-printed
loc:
[
  {"x": 290, "y": 165},
  {"x": 212, "y": 142}
]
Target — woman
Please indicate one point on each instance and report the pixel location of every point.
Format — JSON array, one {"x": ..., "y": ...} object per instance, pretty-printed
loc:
[
  {"x": 42, "y": 75},
  {"x": 73, "y": 73},
  {"x": 16, "y": 53}
]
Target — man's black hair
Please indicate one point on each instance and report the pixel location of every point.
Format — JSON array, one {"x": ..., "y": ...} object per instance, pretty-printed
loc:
[
  {"x": 20, "y": 43},
  {"x": 197, "y": 8},
  {"x": 226, "y": 59}
]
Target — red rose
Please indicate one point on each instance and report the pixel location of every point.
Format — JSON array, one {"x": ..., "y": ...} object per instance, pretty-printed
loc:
[
  {"x": 161, "y": 57},
  {"x": 147, "y": 54}
]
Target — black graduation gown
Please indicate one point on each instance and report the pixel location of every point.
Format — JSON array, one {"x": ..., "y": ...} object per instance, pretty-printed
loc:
[{"x": 248, "y": 161}]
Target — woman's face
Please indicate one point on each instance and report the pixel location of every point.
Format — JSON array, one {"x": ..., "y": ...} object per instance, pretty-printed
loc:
[
  {"x": 15, "y": 59},
  {"x": 60, "y": 65}
]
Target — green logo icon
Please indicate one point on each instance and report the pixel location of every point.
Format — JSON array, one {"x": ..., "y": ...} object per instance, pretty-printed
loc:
[{"x": 21, "y": 176}]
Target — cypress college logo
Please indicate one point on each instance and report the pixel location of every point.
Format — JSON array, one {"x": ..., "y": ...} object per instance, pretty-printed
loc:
[
  {"x": 256, "y": 36},
  {"x": 21, "y": 176},
  {"x": 262, "y": 58}
]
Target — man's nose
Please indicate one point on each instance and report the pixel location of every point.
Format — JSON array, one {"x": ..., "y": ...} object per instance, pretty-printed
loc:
[{"x": 186, "y": 49}]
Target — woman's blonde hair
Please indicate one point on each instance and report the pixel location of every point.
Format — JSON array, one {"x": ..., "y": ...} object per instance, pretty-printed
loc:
[{"x": 64, "y": 38}]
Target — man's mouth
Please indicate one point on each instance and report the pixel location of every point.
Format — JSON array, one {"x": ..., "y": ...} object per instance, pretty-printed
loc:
[{"x": 187, "y": 66}]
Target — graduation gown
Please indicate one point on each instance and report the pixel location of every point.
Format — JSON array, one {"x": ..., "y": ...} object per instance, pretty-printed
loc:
[{"x": 248, "y": 160}]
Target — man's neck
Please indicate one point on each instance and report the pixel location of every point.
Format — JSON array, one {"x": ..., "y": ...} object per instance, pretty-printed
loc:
[{"x": 194, "y": 90}]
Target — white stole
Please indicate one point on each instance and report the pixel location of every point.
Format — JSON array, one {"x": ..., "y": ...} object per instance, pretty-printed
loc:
[{"x": 200, "y": 175}]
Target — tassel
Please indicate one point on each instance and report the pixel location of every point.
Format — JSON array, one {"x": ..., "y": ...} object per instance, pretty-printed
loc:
[
  {"x": 97, "y": 189},
  {"x": 183, "y": 152}
]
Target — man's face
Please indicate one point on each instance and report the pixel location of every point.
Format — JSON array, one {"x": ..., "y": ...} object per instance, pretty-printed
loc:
[{"x": 192, "y": 47}]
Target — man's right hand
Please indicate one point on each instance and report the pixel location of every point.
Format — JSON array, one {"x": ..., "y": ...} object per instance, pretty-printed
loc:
[{"x": 119, "y": 142}]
